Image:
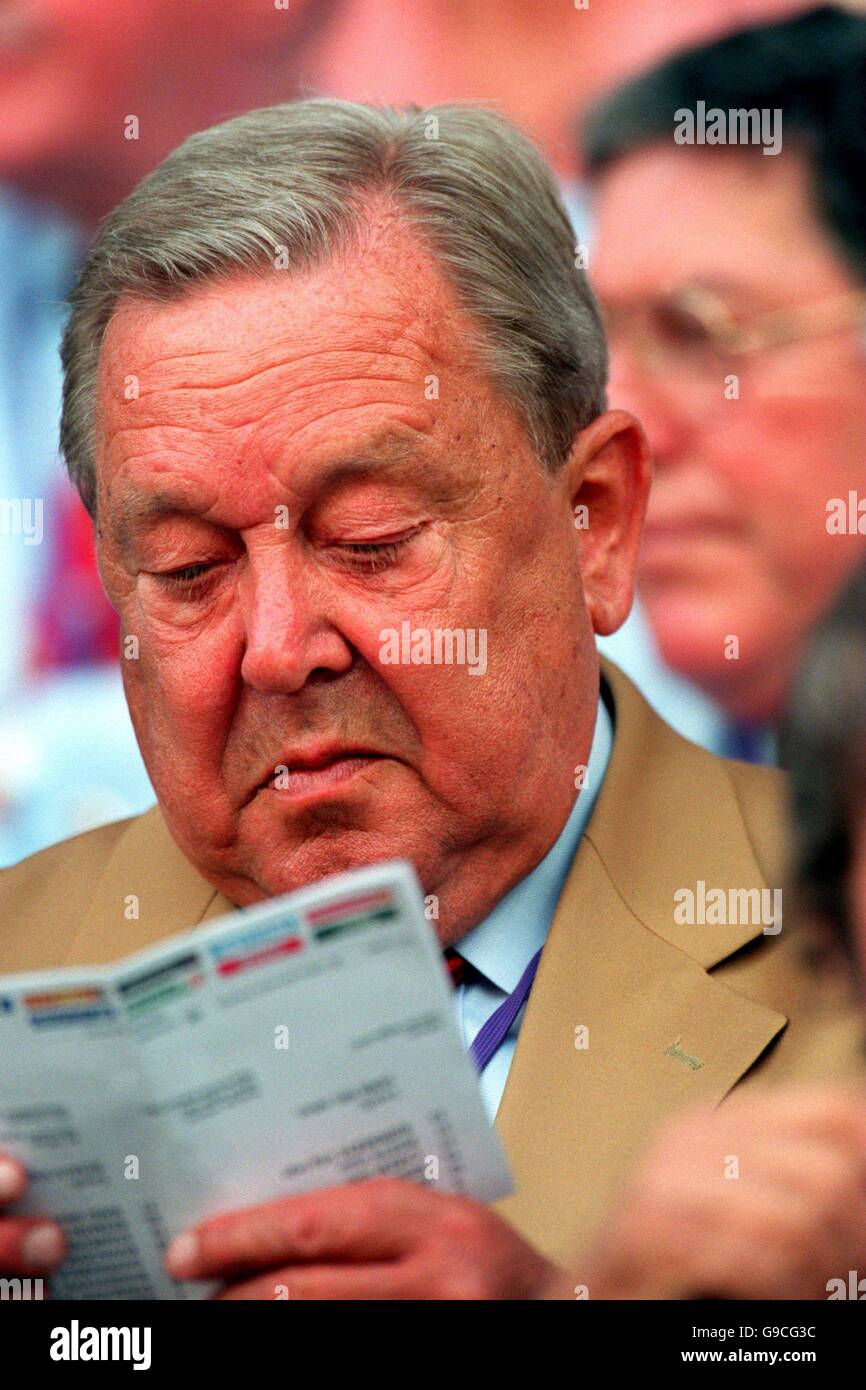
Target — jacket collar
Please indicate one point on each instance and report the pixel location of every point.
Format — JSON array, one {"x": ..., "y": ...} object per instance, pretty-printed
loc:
[{"x": 148, "y": 890}]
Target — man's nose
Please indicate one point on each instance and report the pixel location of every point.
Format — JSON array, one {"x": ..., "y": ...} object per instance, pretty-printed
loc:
[
  {"x": 288, "y": 634},
  {"x": 659, "y": 402}
]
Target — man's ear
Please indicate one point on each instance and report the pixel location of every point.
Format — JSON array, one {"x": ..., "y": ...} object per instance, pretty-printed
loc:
[{"x": 608, "y": 475}]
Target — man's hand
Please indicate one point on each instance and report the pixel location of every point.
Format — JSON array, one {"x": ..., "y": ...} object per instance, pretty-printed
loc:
[
  {"x": 762, "y": 1198},
  {"x": 385, "y": 1238},
  {"x": 28, "y": 1245}
]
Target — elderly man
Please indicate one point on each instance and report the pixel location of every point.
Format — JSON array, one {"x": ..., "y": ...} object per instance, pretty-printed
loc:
[
  {"x": 331, "y": 370},
  {"x": 736, "y": 323}
]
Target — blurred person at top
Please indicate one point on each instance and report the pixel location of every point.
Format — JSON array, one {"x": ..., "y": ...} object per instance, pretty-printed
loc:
[
  {"x": 730, "y": 258},
  {"x": 93, "y": 93},
  {"x": 539, "y": 61}
]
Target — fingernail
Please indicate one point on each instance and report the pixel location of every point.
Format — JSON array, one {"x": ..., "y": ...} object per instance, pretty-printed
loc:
[
  {"x": 182, "y": 1255},
  {"x": 10, "y": 1180},
  {"x": 43, "y": 1247}
]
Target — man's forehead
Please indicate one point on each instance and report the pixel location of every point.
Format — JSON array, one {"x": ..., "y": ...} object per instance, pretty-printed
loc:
[
  {"x": 273, "y": 363},
  {"x": 371, "y": 297},
  {"x": 284, "y": 382}
]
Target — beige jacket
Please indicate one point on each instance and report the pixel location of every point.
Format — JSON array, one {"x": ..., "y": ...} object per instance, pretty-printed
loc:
[{"x": 674, "y": 1014}]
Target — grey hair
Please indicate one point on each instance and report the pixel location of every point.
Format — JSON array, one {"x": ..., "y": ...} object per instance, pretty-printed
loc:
[{"x": 298, "y": 180}]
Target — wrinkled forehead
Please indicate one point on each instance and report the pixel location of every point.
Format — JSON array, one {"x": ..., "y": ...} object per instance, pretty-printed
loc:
[
  {"x": 374, "y": 295},
  {"x": 279, "y": 366}
]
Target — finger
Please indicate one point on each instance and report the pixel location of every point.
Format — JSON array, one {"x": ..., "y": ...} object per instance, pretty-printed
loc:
[
  {"x": 368, "y": 1221},
  {"x": 732, "y": 1266},
  {"x": 29, "y": 1245},
  {"x": 830, "y": 1183},
  {"x": 762, "y": 1240},
  {"x": 834, "y": 1113},
  {"x": 13, "y": 1179},
  {"x": 812, "y": 1167},
  {"x": 326, "y": 1282}
]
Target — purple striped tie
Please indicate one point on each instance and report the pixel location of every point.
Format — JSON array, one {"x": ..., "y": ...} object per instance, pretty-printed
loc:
[{"x": 493, "y": 1033}]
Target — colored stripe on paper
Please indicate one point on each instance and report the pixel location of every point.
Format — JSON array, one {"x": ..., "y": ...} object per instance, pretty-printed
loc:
[
  {"x": 165, "y": 982},
  {"x": 232, "y": 965},
  {"x": 362, "y": 910},
  {"x": 62, "y": 1006}
]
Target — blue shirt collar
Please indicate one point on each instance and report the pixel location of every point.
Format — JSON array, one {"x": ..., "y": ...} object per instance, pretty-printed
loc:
[{"x": 503, "y": 944}]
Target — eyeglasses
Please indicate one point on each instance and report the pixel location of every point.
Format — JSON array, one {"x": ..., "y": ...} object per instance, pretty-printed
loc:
[{"x": 692, "y": 333}]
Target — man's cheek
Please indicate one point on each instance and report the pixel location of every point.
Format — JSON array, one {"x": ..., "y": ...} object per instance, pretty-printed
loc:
[
  {"x": 210, "y": 642},
  {"x": 173, "y": 686},
  {"x": 781, "y": 430},
  {"x": 193, "y": 707},
  {"x": 427, "y": 599},
  {"x": 459, "y": 711}
]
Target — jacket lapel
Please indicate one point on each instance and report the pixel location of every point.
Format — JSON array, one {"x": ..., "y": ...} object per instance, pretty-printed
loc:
[{"x": 624, "y": 1025}]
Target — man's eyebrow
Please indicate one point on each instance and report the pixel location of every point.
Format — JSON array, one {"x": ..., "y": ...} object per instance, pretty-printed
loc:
[
  {"x": 139, "y": 508},
  {"x": 390, "y": 457}
]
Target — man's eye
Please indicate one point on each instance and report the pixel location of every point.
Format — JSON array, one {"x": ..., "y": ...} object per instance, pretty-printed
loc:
[
  {"x": 375, "y": 555},
  {"x": 187, "y": 579},
  {"x": 680, "y": 327}
]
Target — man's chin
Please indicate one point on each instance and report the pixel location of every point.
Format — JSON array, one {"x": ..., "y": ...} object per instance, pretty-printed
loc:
[
  {"x": 284, "y": 868},
  {"x": 280, "y": 842}
]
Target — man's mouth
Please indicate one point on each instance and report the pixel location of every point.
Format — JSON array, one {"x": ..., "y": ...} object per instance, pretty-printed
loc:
[{"x": 317, "y": 773}]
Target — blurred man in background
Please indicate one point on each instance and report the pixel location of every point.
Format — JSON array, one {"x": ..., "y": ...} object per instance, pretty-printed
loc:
[
  {"x": 96, "y": 92},
  {"x": 732, "y": 277}
]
